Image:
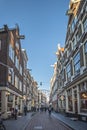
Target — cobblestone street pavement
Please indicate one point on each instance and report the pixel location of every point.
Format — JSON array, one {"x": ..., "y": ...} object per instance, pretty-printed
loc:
[{"x": 42, "y": 121}]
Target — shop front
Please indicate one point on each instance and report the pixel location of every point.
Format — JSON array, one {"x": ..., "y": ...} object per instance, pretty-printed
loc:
[
  {"x": 83, "y": 101},
  {"x": 77, "y": 101},
  {"x": 61, "y": 103},
  {"x": 9, "y": 100}
]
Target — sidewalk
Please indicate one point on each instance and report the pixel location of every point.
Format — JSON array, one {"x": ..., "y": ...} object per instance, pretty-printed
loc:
[
  {"x": 76, "y": 125},
  {"x": 23, "y": 121},
  {"x": 18, "y": 124}
]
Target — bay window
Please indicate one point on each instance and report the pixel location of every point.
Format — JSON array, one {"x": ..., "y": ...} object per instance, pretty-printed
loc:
[
  {"x": 83, "y": 97},
  {"x": 70, "y": 103}
]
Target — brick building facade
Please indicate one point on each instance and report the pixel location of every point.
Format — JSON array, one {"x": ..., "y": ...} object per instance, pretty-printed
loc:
[
  {"x": 72, "y": 74},
  {"x": 11, "y": 69}
]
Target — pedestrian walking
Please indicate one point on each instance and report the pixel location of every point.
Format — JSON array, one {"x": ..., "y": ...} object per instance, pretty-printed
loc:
[
  {"x": 25, "y": 110},
  {"x": 50, "y": 109},
  {"x": 16, "y": 111}
]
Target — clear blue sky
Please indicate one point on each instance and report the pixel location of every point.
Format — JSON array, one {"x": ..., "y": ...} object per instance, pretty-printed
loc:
[{"x": 44, "y": 24}]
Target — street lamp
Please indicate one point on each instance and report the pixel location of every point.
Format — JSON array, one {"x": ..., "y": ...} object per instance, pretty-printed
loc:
[{"x": 7, "y": 93}]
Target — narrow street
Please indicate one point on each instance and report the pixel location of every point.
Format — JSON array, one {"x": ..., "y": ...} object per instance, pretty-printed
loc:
[{"x": 42, "y": 121}]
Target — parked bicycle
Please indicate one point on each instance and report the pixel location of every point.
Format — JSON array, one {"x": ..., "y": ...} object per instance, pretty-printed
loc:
[{"x": 2, "y": 126}]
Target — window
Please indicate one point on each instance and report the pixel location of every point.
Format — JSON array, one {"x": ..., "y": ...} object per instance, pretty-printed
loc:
[
  {"x": 20, "y": 69},
  {"x": 73, "y": 24},
  {"x": 16, "y": 62},
  {"x": 17, "y": 45},
  {"x": 83, "y": 87},
  {"x": 11, "y": 76},
  {"x": 62, "y": 72},
  {"x": 74, "y": 44},
  {"x": 24, "y": 88},
  {"x": 76, "y": 63},
  {"x": 77, "y": 37},
  {"x": 83, "y": 106},
  {"x": 85, "y": 25},
  {"x": 70, "y": 103},
  {"x": 69, "y": 50},
  {"x": 79, "y": 31},
  {"x": 85, "y": 48},
  {"x": 11, "y": 52},
  {"x": 16, "y": 81},
  {"x": 68, "y": 71},
  {"x": 20, "y": 86}
]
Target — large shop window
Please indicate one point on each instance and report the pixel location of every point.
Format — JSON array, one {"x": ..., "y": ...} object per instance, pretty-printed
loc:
[
  {"x": 70, "y": 104},
  {"x": 83, "y": 97},
  {"x": 77, "y": 63},
  {"x": 9, "y": 102}
]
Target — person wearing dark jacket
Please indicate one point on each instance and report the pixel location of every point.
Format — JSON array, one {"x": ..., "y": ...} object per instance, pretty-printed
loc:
[{"x": 25, "y": 110}]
